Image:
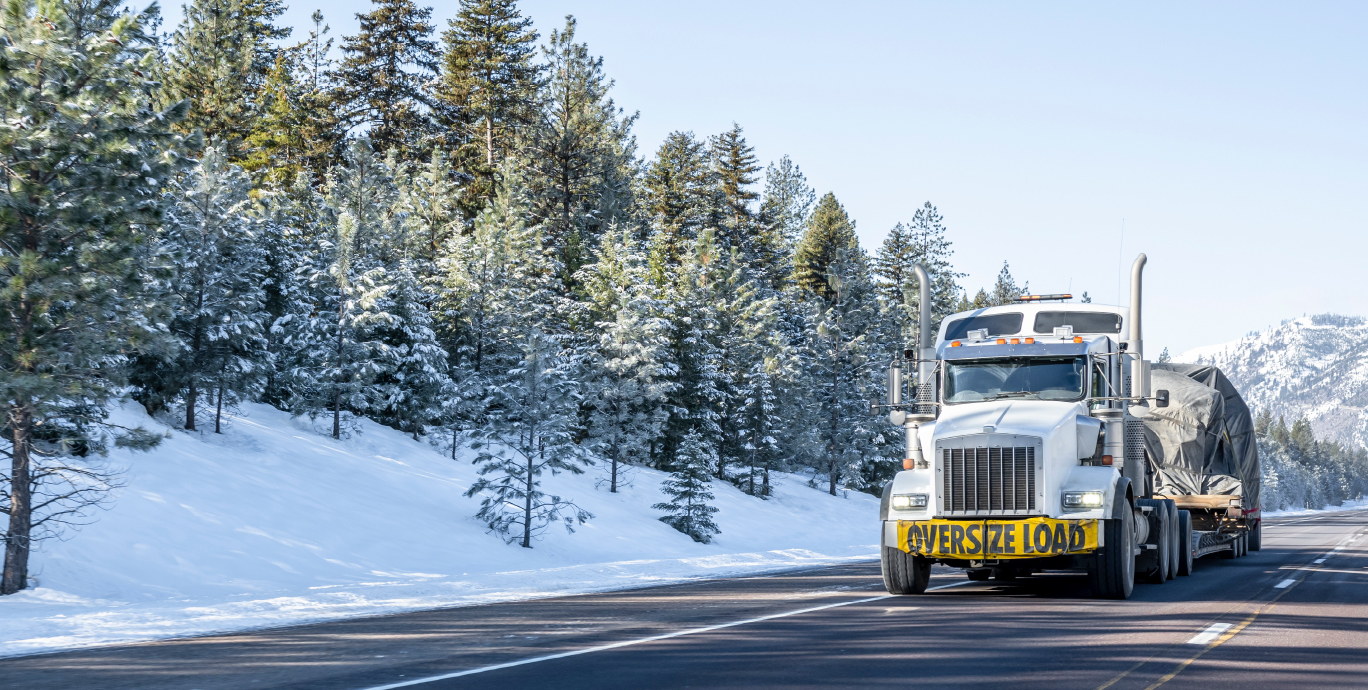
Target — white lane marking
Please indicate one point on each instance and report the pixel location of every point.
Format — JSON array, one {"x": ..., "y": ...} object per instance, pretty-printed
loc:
[
  {"x": 628, "y": 643},
  {"x": 1318, "y": 561},
  {"x": 1285, "y": 584},
  {"x": 1212, "y": 632}
]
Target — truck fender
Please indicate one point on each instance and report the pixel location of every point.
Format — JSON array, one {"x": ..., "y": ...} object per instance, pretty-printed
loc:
[
  {"x": 885, "y": 500},
  {"x": 1122, "y": 497}
]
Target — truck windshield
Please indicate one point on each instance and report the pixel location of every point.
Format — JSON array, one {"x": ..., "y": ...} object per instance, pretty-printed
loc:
[{"x": 1030, "y": 378}]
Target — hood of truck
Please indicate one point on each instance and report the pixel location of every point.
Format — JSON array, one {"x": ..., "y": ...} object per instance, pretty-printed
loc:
[{"x": 1043, "y": 418}]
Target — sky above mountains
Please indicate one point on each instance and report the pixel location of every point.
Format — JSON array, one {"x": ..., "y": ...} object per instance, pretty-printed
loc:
[{"x": 1224, "y": 139}]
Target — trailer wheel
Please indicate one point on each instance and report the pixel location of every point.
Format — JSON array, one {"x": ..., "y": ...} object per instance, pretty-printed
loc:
[
  {"x": 1112, "y": 571},
  {"x": 1244, "y": 545},
  {"x": 903, "y": 573},
  {"x": 1184, "y": 543},
  {"x": 1161, "y": 539},
  {"x": 1233, "y": 551},
  {"x": 1175, "y": 538},
  {"x": 979, "y": 575},
  {"x": 1256, "y": 536}
]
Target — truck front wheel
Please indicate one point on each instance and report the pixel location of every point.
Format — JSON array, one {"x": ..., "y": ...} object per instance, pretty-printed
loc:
[
  {"x": 903, "y": 573},
  {"x": 1112, "y": 573}
]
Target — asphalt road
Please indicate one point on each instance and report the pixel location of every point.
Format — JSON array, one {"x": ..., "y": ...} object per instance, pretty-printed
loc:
[{"x": 824, "y": 628}]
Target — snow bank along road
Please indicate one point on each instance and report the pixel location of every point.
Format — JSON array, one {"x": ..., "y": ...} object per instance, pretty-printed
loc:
[{"x": 1293, "y": 615}]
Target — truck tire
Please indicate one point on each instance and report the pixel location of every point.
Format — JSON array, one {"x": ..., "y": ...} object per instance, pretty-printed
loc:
[
  {"x": 1111, "y": 575},
  {"x": 903, "y": 573},
  {"x": 1175, "y": 539},
  {"x": 1256, "y": 536},
  {"x": 1184, "y": 543},
  {"x": 979, "y": 575},
  {"x": 1233, "y": 551},
  {"x": 1244, "y": 545},
  {"x": 1160, "y": 538}
]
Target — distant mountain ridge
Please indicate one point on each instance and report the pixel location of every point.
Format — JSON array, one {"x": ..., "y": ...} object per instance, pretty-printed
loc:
[{"x": 1314, "y": 367}]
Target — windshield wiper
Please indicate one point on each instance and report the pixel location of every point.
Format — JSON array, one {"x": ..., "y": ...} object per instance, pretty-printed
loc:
[{"x": 1013, "y": 394}]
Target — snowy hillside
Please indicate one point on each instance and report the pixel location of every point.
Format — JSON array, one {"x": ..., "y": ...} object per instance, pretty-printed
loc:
[
  {"x": 274, "y": 523},
  {"x": 1314, "y": 367}
]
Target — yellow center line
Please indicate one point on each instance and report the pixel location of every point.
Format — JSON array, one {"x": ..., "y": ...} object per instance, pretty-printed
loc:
[{"x": 1218, "y": 642}]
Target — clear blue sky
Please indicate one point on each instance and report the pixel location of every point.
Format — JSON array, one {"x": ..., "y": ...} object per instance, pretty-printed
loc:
[{"x": 1230, "y": 137}]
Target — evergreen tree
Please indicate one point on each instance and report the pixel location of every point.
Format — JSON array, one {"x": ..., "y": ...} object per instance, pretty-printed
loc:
[
  {"x": 628, "y": 375},
  {"x": 785, "y": 208},
  {"x": 428, "y": 200},
  {"x": 734, "y": 165},
  {"x": 688, "y": 509},
  {"x": 414, "y": 390},
  {"x": 840, "y": 361},
  {"x": 529, "y": 430},
  {"x": 219, "y": 59},
  {"x": 84, "y": 157},
  {"x": 921, "y": 241},
  {"x": 581, "y": 150},
  {"x": 1006, "y": 290},
  {"x": 382, "y": 78},
  {"x": 678, "y": 196},
  {"x": 290, "y": 230},
  {"x": 216, "y": 297},
  {"x": 829, "y": 232},
  {"x": 489, "y": 86}
]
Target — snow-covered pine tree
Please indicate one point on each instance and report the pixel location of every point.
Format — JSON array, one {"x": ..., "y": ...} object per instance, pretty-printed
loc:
[
  {"x": 785, "y": 207},
  {"x": 688, "y": 509},
  {"x": 532, "y": 411},
  {"x": 83, "y": 158},
  {"x": 829, "y": 231},
  {"x": 679, "y": 197},
  {"x": 627, "y": 375},
  {"x": 1006, "y": 290},
  {"x": 291, "y": 241},
  {"x": 414, "y": 390},
  {"x": 921, "y": 241},
  {"x": 844, "y": 334},
  {"x": 218, "y": 300},
  {"x": 428, "y": 201}
]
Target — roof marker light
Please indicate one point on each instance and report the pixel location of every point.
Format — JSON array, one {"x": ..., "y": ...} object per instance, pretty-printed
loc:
[
  {"x": 1002, "y": 341},
  {"x": 1030, "y": 341},
  {"x": 955, "y": 343},
  {"x": 1016, "y": 341},
  {"x": 1078, "y": 339}
]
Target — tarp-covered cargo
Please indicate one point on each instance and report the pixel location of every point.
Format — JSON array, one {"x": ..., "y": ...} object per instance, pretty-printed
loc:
[{"x": 1203, "y": 442}]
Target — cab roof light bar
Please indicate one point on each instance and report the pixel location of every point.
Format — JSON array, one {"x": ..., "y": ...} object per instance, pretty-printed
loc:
[{"x": 1044, "y": 298}]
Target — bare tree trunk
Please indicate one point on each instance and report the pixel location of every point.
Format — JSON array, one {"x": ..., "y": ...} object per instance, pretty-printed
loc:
[
  {"x": 191, "y": 399},
  {"x": 454, "y": 436},
  {"x": 17, "y": 537},
  {"x": 337, "y": 390},
  {"x": 489, "y": 141},
  {"x": 218, "y": 413}
]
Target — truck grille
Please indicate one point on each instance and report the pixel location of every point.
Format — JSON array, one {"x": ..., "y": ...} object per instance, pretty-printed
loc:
[{"x": 988, "y": 480}]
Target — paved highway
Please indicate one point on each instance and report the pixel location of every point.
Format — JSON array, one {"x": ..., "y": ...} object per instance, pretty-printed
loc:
[{"x": 1293, "y": 615}]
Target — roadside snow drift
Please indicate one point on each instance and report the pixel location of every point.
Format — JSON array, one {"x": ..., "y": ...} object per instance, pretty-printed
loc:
[{"x": 274, "y": 523}]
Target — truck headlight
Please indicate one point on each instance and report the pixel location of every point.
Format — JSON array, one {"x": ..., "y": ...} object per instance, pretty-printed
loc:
[
  {"x": 1082, "y": 500},
  {"x": 909, "y": 501}
]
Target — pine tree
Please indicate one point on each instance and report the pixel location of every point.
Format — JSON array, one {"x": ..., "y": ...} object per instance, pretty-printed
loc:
[
  {"x": 219, "y": 59},
  {"x": 679, "y": 198},
  {"x": 844, "y": 337},
  {"x": 489, "y": 85},
  {"x": 84, "y": 157},
  {"x": 216, "y": 296},
  {"x": 628, "y": 375},
  {"x": 829, "y": 232},
  {"x": 414, "y": 390},
  {"x": 688, "y": 509},
  {"x": 428, "y": 198},
  {"x": 921, "y": 241},
  {"x": 735, "y": 166},
  {"x": 529, "y": 430},
  {"x": 581, "y": 150},
  {"x": 290, "y": 230},
  {"x": 1006, "y": 290},
  {"x": 382, "y": 78},
  {"x": 785, "y": 208}
]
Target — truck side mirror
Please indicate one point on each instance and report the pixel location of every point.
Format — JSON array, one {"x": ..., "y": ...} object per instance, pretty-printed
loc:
[{"x": 1161, "y": 398}]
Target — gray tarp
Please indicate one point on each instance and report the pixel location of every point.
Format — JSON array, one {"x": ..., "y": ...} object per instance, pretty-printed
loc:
[{"x": 1203, "y": 442}]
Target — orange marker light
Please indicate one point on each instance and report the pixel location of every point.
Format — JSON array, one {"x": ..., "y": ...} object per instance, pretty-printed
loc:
[
  {"x": 1107, "y": 460},
  {"x": 1030, "y": 341},
  {"x": 1078, "y": 339},
  {"x": 1016, "y": 341},
  {"x": 907, "y": 463},
  {"x": 955, "y": 343},
  {"x": 1002, "y": 341}
]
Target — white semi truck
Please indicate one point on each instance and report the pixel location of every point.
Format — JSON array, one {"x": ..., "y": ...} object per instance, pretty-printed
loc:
[{"x": 1034, "y": 442}]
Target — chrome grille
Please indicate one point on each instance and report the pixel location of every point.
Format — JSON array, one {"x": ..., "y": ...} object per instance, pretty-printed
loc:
[{"x": 990, "y": 479}]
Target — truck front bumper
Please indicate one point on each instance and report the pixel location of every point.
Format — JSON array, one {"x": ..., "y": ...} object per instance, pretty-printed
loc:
[{"x": 1036, "y": 537}]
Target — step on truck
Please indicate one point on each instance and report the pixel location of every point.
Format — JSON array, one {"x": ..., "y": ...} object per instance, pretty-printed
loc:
[{"x": 1038, "y": 437}]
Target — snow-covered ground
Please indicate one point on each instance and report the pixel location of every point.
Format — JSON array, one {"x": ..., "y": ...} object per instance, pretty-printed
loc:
[
  {"x": 1347, "y": 505},
  {"x": 274, "y": 523}
]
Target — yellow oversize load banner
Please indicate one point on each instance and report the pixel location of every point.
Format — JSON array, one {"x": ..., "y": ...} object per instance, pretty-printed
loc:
[{"x": 976, "y": 539}]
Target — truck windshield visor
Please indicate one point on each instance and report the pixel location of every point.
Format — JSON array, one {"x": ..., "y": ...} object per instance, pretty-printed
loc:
[{"x": 1030, "y": 378}]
